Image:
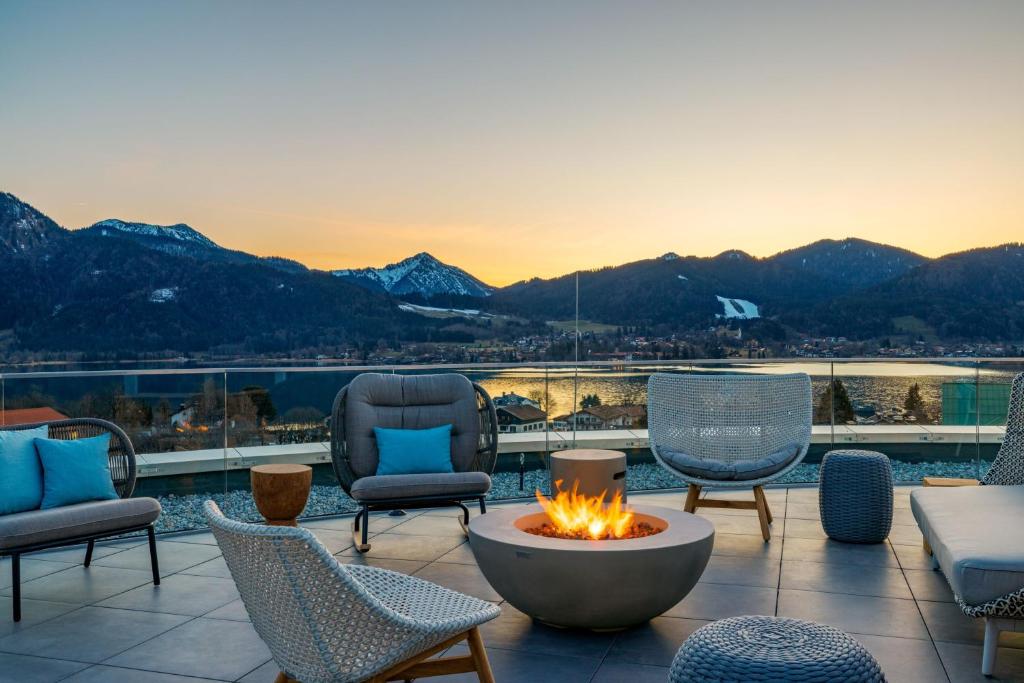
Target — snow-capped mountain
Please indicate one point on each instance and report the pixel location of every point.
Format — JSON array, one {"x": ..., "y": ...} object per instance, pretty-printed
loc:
[
  {"x": 420, "y": 274},
  {"x": 22, "y": 227},
  {"x": 183, "y": 240}
]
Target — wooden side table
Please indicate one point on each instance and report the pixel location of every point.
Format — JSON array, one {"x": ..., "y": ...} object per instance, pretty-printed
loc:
[
  {"x": 596, "y": 471},
  {"x": 281, "y": 491}
]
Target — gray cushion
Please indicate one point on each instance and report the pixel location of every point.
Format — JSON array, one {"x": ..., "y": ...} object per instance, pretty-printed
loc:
[
  {"x": 392, "y": 486},
  {"x": 84, "y": 519},
  {"x": 976, "y": 535},
  {"x": 759, "y": 468},
  {"x": 409, "y": 402},
  {"x": 738, "y": 470},
  {"x": 696, "y": 467}
]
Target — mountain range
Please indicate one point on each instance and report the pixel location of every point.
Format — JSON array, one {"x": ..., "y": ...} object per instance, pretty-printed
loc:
[{"x": 127, "y": 286}]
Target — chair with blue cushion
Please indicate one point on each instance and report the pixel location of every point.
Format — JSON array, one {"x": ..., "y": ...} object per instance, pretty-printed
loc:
[
  {"x": 385, "y": 434},
  {"x": 729, "y": 431},
  {"x": 85, "y": 498}
]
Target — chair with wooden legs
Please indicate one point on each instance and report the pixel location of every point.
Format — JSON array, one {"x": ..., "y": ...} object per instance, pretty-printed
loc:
[
  {"x": 729, "y": 431},
  {"x": 327, "y": 622}
]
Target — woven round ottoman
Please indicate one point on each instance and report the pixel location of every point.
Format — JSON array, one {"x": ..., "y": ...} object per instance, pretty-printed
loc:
[
  {"x": 855, "y": 496},
  {"x": 772, "y": 649}
]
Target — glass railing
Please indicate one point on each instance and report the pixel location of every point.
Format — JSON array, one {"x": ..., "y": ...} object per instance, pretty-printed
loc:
[{"x": 197, "y": 431}]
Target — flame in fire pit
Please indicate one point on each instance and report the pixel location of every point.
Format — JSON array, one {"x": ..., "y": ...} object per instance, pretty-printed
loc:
[{"x": 573, "y": 515}]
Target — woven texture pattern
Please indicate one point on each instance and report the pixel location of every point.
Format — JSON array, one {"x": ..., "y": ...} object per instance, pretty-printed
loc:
[
  {"x": 1008, "y": 606},
  {"x": 855, "y": 496},
  {"x": 121, "y": 453},
  {"x": 727, "y": 418},
  {"x": 758, "y": 648},
  {"x": 328, "y": 622},
  {"x": 1008, "y": 467},
  {"x": 342, "y": 454}
]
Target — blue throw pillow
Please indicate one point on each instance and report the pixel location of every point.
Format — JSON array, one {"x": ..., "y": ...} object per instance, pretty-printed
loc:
[
  {"x": 414, "y": 451},
  {"x": 21, "y": 475},
  {"x": 75, "y": 471}
]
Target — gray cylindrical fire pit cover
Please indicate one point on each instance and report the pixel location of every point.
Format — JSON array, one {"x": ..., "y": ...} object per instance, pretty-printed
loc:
[
  {"x": 596, "y": 470},
  {"x": 758, "y": 648},
  {"x": 855, "y": 496}
]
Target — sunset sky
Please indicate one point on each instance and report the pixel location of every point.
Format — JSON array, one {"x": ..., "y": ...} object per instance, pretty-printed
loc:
[{"x": 520, "y": 139}]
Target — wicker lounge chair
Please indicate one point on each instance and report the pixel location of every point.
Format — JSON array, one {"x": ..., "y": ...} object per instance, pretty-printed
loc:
[
  {"x": 975, "y": 539},
  {"x": 729, "y": 431},
  {"x": 412, "y": 402},
  {"x": 330, "y": 622},
  {"x": 25, "y": 532}
]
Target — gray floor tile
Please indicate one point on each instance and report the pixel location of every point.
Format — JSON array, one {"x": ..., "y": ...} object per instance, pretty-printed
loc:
[
  {"x": 746, "y": 545},
  {"x": 32, "y": 612},
  {"x": 718, "y": 601},
  {"x": 216, "y": 567},
  {"x": 34, "y": 669},
  {"x": 513, "y": 630},
  {"x": 511, "y": 666},
  {"x": 928, "y": 584},
  {"x": 463, "y": 554},
  {"x": 90, "y": 634},
  {"x": 802, "y": 511},
  {"x": 744, "y": 571},
  {"x": 109, "y": 674},
  {"x": 804, "y": 528},
  {"x": 616, "y": 672},
  {"x": 740, "y": 524},
  {"x": 266, "y": 673},
  {"x": 947, "y": 622},
  {"x": 655, "y": 643},
  {"x": 213, "y": 648},
  {"x": 464, "y": 578},
  {"x": 834, "y": 552},
  {"x": 912, "y": 556},
  {"x": 83, "y": 585},
  {"x": 855, "y": 613},
  {"x": 856, "y": 579},
  {"x": 905, "y": 534},
  {"x": 30, "y": 569},
  {"x": 76, "y": 554},
  {"x": 335, "y": 541},
  {"x": 370, "y": 560},
  {"x": 233, "y": 611},
  {"x": 963, "y": 663},
  {"x": 408, "y": 547},
  {"x": 905, "y": 660},
  {"x": 172, "y": 557},
  {"x": 430, "y": 525},
  {"x": 203, "y": 537},
  {"x": 178, "y": 594}
]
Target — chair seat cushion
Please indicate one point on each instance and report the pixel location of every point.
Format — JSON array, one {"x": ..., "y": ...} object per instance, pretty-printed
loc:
[
  {"x": 72, "y": 521},
  {"x": 737, "y": 470},
  {"x": 399, "y": 486},
  {"x": 975, "y": 534}
]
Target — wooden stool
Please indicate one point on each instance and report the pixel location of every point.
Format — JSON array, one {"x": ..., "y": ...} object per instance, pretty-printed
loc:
[
  {"x": 281, "y": 491},
  {"x": 595, "y": 470}
]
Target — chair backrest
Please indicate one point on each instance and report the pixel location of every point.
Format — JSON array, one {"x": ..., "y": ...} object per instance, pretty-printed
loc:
[
  {"x": 409, "y": 402},
  {"x": 1008, "y": 467},
  {"x": 120, "y": 453},
  {"x": 728, "y": 417},
  {"x": 319, "y": 623}
]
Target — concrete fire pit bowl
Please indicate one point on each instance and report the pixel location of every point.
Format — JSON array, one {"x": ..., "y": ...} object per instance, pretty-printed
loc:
[{"x": 608, "y": 584}]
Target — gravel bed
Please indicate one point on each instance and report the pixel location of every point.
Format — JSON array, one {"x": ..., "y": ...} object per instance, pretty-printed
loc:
[{"x": 182, "y": 513}]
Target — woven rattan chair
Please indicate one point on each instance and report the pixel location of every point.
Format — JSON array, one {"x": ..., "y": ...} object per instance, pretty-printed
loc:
[
  {"x": 330, "y": 622},
  {"x": 25, "y": 532},
  {"x": 412, "y": 402},
  {"x": 729, "y": 431}
]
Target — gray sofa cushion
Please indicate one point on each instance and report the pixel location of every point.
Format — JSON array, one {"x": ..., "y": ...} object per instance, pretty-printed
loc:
[
  {"x": 391, "y": 486},
  {"x": 768, "y": 465},
  {"x": 737, "y": 470},
  {"x": 84, "y": 519},
  {"x": 409, "y": 402},
  {"x": 696, "y": 467},
  {"x": 977, "y": 538}
]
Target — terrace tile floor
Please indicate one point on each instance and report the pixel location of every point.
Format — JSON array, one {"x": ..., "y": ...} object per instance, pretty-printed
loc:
[{"x": 108, "y": 623}]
